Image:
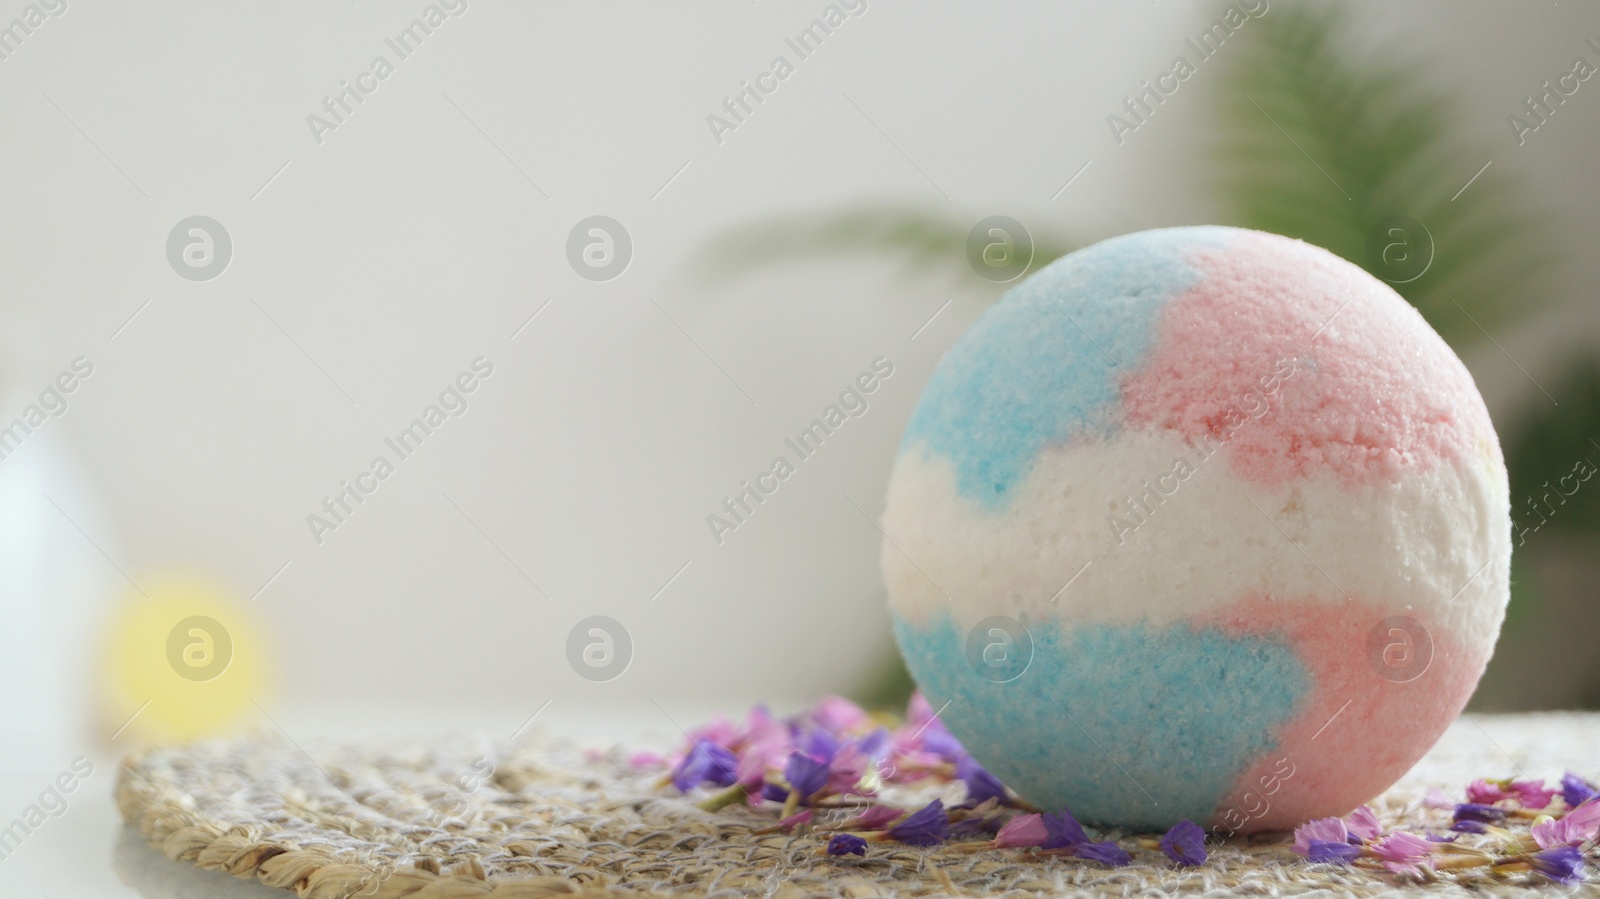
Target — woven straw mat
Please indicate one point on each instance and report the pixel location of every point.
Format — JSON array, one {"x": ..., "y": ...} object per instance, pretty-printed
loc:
[{"x": 550, "y": 820}]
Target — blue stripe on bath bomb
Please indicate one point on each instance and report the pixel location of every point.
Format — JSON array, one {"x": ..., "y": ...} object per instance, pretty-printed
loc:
[
  {"x": 1034, "y": 370},
  {"x": 1132, "y": 726}
]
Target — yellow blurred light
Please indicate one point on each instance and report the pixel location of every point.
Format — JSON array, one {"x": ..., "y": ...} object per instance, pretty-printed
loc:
[{"x": 193, "y": 651}]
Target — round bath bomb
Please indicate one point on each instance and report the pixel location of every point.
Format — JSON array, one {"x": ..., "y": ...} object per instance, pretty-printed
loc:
[{"x": 1199, "y": 523}]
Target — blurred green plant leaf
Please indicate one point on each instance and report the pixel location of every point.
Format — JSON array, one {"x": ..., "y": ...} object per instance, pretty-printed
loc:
[
  {"x": 926, "y": 242},
  {"x": 1319, "y": 145}
]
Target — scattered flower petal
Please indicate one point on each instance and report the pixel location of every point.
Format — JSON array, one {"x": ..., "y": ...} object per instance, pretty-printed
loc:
[
  {"x": 981, "y": 785},
  {"x": 1583, "y": 822},
  {"x": 1475, "y": 811},
  {"x": 805, "y": 774},
  {"x": 846, "y": 844},
  {"x": 1487, "y": 792},
  {"x": 1576, "y": 791},
  {"x": 838, "y": 715},
  {"x": 1327, "y": 851},
  {"x": 1532, "y": 793},
  {"x": 707, "y": 761},
  {"x": 1563, "y": 864},
  {"x": 1328, "y": 830},
  {"x": 1552, "y": 833},
  {"x": 1107, "y": 853},
  {"x": 1402, "y": 852},
  {"x": 1436, "y": 798},
  {"x": 1363, "y": 823},
  {"x": 1064, "y": 830},
  {"x": 795, "y": 820},
  {"x": 1185, "y": 844},
  {"x": 1023, "y": 830},
  {"x": 926, "y": 826}
]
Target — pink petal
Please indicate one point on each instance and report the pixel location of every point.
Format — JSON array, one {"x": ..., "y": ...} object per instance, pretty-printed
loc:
[
  {"x": 1532, "y": 793},
  {"x": 1329, "y": 829},
  {"x": 1583, "y": 822},
  {"x": 1023, "y": 830},
  {"x": 1553, "y": 833},
  {"x": 1436, "y": 798},
  {"x": 1486, "y": 792},
  {"x": 798, "y": 818},
  {"x": 837, "y": 714},
  {"x": 1403, "y": 848},
  {"x": 1363, "y": 823}
]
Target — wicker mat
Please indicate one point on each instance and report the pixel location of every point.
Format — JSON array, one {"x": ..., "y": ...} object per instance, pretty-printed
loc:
[{"x": 468, "y": 819}]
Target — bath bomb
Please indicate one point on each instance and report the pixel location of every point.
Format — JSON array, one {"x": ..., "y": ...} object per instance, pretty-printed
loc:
[{"x": 1198, "y": 523}]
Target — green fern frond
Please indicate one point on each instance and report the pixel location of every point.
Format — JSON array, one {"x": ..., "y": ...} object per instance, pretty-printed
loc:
[{"x": 1325, "y": 147}]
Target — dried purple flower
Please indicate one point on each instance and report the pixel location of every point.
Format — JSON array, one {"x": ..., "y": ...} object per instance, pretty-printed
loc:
[
  {"x": 1477, "y": 811},
  {"x": 926, "y": 826},
  {"x": 805, "y": 774},
  {"x": 1576, "y": 791},
  {"x": 846, "y": 844},
  {"x": 705, "y": 762},
  {"x": 1563, "y": 864},
  {"x": 941, "y": 743},
  {"x": 1106, "y": 853},
  {"x": 1477, "y": 827},
  {"x": 981, "y": 785},
  {"x": 874, "y": 745},
  {"x": 1064, "y": 830},
  {"x": 1185, "y": 844},
  {"x": 1341, "y": 853},
  {"x": 818, "y": 744}
]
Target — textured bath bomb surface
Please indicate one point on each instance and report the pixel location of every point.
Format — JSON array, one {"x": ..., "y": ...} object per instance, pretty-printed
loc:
[{"x": 1199, "y": 523}]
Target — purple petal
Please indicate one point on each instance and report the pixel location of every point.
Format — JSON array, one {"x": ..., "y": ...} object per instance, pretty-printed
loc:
[
  {"x": 938, "y": 741},
  {"x": 981, "y": 785},
  {"x": 1107, "y": 853},
  {"x": 1563, "y": 864},
  {"x": 705, "y": 762},
  {"x": 820, "y": 744},
  {"x": 846, "y": 844},
  {"x": 805, "y": 774},
  {"x": 1338, "y": 853},
  {"x": 774, "y": 792},
  {"x": 1477, "y": 827},
  {"x": 926, "y": 826},
  {"x": 1476, "y": 811},
  {"x": 1576, "y": 791},
  {"x": 874, "y": 745},
  {"x": 1185, "y": 844},
  {"x": 1064, "y": 830}
]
